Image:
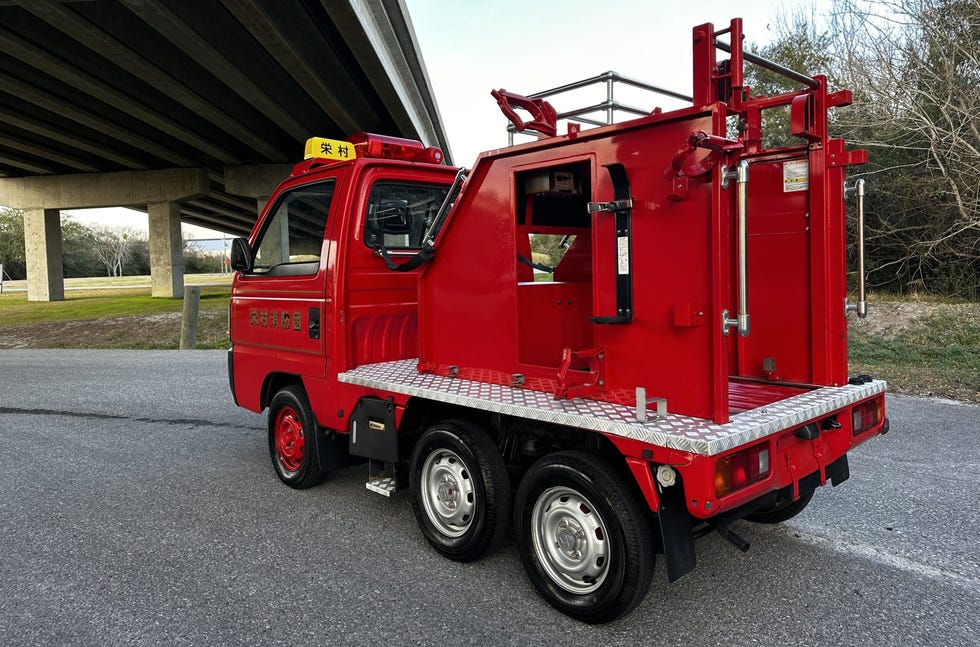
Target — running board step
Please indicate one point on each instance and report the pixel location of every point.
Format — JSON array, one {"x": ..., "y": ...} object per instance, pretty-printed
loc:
[
  {"x": 384, "y": 486},
  {"x": 383, "y": 477}
]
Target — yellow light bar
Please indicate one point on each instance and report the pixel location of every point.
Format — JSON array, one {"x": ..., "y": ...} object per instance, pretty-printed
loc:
[{"x": 331, "y": 149}]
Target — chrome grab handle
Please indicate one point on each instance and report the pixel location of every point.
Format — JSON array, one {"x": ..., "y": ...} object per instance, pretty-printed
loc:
[
  {"x": 741, "y": 320},
  {"x": 861, "y": 307}
]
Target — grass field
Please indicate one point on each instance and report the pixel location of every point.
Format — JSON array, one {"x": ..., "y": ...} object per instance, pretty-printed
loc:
[
  {"x": 921, "y": 346},
  {"x": 85, "y": 305}
]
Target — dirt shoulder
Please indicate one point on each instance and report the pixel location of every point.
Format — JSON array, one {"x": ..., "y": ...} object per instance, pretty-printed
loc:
[
  {"x": 159, "y": 331},
  {"x": 920, "y": 346}
]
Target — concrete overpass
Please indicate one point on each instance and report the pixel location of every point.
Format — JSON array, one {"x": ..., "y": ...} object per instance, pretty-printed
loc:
[{"x": 189, "y": 109}]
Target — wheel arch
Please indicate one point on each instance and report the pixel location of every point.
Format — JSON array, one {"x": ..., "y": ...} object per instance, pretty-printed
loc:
[
  {"x": 420, "y": 414},
  {"x": 275, "y": 382}
]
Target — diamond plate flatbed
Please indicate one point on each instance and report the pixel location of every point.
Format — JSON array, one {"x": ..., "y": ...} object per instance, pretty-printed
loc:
[{"x": 685, "y": 433}]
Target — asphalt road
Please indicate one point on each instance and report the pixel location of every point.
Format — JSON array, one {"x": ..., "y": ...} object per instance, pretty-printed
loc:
[{"x": 138, "y": 506}]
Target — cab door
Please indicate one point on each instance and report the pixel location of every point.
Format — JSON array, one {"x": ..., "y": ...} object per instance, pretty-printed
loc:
[
  {"x": 382, "y": 318},
  {"x": 279, "y": 309}
]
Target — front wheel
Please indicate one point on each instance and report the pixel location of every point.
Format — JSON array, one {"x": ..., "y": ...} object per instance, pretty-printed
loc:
[
  {"x": 584, "y": 539},
  {"x": 292, "y": 439},
  {"x": 460, "y": 490}
]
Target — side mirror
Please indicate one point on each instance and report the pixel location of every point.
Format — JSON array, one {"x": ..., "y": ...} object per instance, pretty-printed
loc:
[{"x": 241, "y": 255}]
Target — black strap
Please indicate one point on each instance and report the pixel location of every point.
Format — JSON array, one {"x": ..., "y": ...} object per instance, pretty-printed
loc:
[
  {"x": 622, "y": 208},
  {"x": 524, "y": 260},
  {"x": 426, "y": 254}
]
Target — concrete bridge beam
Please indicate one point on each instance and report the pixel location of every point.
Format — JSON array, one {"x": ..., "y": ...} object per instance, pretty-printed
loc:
[
  {"x": 161, "y": 192},
  {"x": 257, "y": 181},
  {"x": 93, "y": 190}
]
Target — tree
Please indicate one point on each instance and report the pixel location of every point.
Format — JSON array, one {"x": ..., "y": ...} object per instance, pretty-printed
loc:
[
  {"x": 138, "y": 263},
  {"x": 915, "y": 67},
  {"x": 86, "y": 250},
  {"x": 113, "y": 246},
  {"x": 800, "y": 46},
  {"x": 199, "y": 261},
  {"x": 12, "y": 254},
  {"x": 78, "y": 249}
]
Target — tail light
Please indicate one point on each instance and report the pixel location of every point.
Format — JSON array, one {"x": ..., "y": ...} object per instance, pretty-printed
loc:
[
  {"x": 866, "y": 415},
  {"x": 735, "y": 471}
]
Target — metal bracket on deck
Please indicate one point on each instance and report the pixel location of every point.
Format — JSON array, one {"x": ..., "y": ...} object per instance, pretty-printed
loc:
[
  {"x": 643, "y": 403},
  {"x": 593, "y": 376}
]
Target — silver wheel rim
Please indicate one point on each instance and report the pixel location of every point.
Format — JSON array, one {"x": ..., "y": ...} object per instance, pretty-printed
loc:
[
  {"x": 570, "y": 540},
  {"x": 448, "y": 495}
]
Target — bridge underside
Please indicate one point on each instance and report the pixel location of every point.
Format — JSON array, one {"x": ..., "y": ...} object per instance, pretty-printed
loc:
[{"x": 227, "y": 90}]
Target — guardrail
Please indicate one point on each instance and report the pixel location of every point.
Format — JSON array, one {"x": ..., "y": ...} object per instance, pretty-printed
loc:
[{"x": 610, "y": 106}]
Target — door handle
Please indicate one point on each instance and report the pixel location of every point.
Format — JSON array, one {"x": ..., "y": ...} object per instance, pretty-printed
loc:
[{"x": 314, "y": 323}]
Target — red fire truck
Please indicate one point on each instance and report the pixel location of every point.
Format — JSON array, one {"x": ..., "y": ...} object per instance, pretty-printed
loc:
[{"x": 682, "y": 366}]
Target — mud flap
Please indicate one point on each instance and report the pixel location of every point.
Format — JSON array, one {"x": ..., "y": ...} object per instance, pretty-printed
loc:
[
  {"x": 838, "y": 471},
  {"x": 332, "y": 452},
  {"x": 677, "y": 533}
]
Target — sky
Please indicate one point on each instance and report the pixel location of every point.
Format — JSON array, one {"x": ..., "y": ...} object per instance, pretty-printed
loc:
[{"x": 473, "y": 46}]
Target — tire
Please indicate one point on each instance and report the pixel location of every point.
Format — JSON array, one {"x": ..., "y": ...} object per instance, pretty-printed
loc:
[
  {"x": 292, "y": 439},
  {"x": 585, "y": 541},
  {"x": 781, "y": 513},
  {"x": 460, "y": 490}
]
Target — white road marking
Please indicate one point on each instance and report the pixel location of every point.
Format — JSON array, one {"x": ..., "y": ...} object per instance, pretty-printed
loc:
[{"x": 878, "y": 555}]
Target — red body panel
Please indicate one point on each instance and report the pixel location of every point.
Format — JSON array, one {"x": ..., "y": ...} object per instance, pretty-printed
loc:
[{"x": 523, "y": 326}]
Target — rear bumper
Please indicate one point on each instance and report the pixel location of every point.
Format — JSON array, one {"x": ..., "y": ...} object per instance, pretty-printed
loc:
[{"x": 798, "y": 462}]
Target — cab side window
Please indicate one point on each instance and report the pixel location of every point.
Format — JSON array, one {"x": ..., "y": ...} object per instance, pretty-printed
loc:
[
  {"x": 291, "y": 242},
  {"x": 399, "y": 214}
]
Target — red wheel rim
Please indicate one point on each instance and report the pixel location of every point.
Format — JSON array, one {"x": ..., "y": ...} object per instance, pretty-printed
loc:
[{"x": 289, "y": 439}]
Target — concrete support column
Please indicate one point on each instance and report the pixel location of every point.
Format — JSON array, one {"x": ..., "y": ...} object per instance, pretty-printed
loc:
[
  {"x": 166, "y": 250},
  {"x": 45, "y": 268}
]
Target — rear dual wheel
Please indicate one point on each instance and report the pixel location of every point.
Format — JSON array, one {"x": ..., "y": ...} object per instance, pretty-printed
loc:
[
  {"x": 781, "y": 513},
  {"x": 460, "y": 490},
  {"x": 584, "y": 539}
]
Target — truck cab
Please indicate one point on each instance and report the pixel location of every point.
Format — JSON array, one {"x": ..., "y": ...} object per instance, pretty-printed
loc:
[{"x": 313, "y": 295}]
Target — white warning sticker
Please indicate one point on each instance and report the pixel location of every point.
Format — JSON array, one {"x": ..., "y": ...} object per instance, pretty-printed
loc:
[
  {"x": 796, "y": 176},
  {"x": 623, "y": 246}
]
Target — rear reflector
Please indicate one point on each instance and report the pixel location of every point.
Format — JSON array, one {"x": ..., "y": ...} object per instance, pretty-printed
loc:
[{"x": 735, "y": 471}]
